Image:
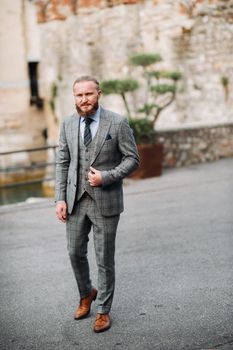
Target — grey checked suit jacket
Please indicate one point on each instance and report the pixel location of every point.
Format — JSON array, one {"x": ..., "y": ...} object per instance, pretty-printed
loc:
[{"x": 115, "y": 155}]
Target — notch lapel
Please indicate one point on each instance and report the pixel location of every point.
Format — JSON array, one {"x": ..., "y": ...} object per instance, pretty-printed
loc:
[
  {"x": 75, "y": 136},
  {"x": 104, "y": 126}
]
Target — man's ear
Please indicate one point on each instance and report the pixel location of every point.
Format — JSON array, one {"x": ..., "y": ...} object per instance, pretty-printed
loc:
[{"x": 99, "y": 93}]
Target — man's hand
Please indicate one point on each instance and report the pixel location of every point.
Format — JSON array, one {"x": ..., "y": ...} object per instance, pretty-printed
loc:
[
  {"x": 61, "y": 210},
  {"x": 94, "y": 177}
]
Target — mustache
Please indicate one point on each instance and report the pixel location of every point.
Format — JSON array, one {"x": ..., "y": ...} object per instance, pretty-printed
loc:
[{"x": 89, "y": 113}]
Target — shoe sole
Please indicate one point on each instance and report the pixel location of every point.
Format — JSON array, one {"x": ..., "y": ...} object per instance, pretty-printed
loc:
[
  {"x": 83, "y": 316},
  {"x": 102, "y": 329}
]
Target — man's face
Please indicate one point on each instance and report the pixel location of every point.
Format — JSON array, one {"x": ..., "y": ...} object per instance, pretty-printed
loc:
[{"x": 86, "y": 95}]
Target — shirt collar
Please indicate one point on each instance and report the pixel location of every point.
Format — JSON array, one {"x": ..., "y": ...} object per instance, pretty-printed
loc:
[{"x": 95, "y": 117}]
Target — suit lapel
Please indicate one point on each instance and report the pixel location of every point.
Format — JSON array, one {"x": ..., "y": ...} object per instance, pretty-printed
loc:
[
  {"x": 75, "y": 135},
  {"x": 104, "y": 125}
]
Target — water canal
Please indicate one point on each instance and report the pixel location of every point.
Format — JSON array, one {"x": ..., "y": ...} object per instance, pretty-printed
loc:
[{"x": 16, "y": 194}]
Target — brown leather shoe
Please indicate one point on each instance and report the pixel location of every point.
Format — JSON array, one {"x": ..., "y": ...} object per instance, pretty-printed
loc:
[
  {"x": 85, "y": 306},
  {"x": 102, "y": 323}
]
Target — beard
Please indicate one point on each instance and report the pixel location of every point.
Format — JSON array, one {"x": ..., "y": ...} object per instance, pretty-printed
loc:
[{"x": 89, "y": 113}]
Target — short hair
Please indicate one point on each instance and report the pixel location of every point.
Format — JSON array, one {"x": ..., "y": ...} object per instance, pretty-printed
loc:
[{"x": 87, "y": 78}]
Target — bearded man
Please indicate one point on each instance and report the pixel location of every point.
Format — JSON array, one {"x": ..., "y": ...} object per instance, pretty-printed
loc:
[{"x": 96, "y": 151}]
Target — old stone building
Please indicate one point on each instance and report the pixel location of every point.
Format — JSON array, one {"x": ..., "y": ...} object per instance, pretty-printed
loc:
[
  {"x": 22, "y": 118},
  {"x": 98, "y": 37},
  {"x": 193, "y": 36}
]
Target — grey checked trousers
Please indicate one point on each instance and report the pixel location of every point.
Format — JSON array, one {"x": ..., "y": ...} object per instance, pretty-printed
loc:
[{"x": 85, "y": 216}]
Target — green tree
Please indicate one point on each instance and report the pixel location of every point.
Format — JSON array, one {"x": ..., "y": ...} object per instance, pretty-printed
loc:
[
  {"x": 161, "y": 86},
  {"x": 120, "y": 87}
]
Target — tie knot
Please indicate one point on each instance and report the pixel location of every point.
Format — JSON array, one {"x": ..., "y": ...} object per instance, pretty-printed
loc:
[{"x": 88, "y": 120}]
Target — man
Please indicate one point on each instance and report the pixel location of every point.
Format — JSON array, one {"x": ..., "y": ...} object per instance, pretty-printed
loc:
[{"x": 96, "y": 151}]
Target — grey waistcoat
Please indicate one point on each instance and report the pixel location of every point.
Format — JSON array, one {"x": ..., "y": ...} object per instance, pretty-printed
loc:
[{"x": 85, "y": 155}]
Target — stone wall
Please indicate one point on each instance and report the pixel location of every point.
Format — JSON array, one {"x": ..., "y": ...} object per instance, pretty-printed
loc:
[
  {"x": 98, "y": 37},
  {"x": 196, "y": 145},
  {"x": 195, "y": 37},
  {"x": 61, "y": 9},
  {"x": 21, "y": 125}
]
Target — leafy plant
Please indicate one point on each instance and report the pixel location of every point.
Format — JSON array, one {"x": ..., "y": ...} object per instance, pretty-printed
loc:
[
  {"x": 158, "y": 83},
  {"x": 120, "y": 87},
  {"x": 53, "y": 96},
  {"x": 145, "y": 60},
  {"x": 225, "y": 84},
  {"x": 161, "y": 88},
  {"x": 143, "y": 130},
  {"x": 224, "y": 81}
]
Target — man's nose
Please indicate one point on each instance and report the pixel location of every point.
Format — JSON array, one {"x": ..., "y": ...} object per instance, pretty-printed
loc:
[{"x": 84, "y": 98}]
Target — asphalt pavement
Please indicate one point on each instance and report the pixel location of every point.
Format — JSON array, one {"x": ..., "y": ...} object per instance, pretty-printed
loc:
[{"x": 174, "y": 269}]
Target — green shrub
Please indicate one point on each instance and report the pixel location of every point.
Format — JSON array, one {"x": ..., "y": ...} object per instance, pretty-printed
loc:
[{"x": 143, "y": 130}]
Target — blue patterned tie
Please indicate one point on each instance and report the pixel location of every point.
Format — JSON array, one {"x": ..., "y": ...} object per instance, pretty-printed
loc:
[{"x": 87, "y": 131}]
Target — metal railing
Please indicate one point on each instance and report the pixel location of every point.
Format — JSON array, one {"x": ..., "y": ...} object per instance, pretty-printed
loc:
[{"x": 33, "y": 166}]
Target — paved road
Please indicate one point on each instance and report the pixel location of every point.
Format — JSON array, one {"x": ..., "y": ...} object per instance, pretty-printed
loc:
[{"x": 174, "y": 265}]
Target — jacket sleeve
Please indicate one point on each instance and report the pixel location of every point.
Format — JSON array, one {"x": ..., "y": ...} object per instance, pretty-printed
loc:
[
  {"x": 130, "y": 158},
  {"x": 62, "y": 166}
]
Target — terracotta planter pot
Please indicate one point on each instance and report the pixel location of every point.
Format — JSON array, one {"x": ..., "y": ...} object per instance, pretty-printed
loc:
[{"x": 151, "y": 160}]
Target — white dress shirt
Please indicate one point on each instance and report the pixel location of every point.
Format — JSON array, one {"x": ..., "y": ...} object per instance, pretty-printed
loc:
[{"x": 93, "y": 126}]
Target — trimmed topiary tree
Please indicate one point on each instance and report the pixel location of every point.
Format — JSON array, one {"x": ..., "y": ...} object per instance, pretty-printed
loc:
[
  {"x": 161, "y": 89},
  {"x": 120, "y": 87},
  {"x": 161, "y": 85}
]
